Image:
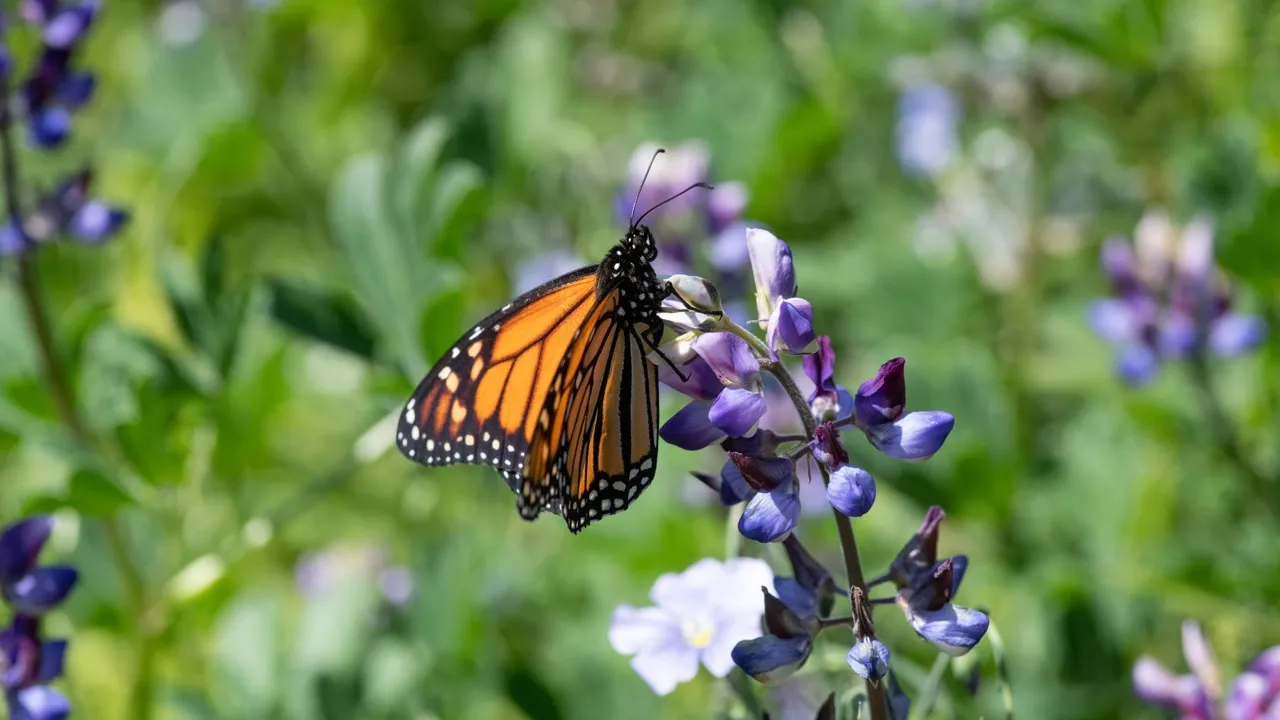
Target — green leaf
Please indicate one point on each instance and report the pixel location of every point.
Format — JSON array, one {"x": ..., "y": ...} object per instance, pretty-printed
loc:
[
  {"x": 246, "y": 649},
  {"x": 324, "y": 317},
  {"x": 94, "y": 494},
  {"x": 391, "y": 677}
]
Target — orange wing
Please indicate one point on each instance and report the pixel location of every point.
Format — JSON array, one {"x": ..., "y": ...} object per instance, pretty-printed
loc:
[
  {"x": 480, "y": 402},
  {"x": 595, "y": 445}
]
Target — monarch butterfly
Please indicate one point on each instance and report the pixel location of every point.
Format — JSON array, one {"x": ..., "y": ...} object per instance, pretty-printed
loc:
[{"x": 555, "y": 390}]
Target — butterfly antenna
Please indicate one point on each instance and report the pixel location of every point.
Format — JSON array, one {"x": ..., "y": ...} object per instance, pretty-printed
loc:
[
  {"x": 673, "y": 197},
  {"x": 636, "y": 202}
]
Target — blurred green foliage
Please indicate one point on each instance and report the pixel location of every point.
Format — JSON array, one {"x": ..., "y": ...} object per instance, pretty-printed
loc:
[{"x": 326, "y": 193}]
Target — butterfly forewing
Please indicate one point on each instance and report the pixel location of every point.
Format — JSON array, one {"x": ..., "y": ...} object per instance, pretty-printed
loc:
[{"x": 479, "y": 403}]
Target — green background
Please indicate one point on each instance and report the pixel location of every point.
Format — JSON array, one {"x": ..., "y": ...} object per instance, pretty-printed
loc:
[{"x": 326, "y": 193}]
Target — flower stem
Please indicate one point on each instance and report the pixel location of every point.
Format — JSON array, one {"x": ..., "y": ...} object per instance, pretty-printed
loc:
[
  {"x": 848, "y": 544},
  {"x": 59, "y": 387},
  {"x": 1227, "y": 437}
]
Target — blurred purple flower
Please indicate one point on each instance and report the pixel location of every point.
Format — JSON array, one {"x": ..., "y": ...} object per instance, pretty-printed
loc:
[
  {"x": 30, "y": 662},
  {"x": 697, "y": 617},
  {"x": 926, "y": 137},
  {"x": 1168, "y": 300},
  {"x": 319, "y": 572},
  {"x": 1253, "y": 695},
  {"x": 544, "y": 267}
]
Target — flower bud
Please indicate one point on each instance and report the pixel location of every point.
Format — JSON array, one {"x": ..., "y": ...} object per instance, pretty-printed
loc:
[{"x": 697, "y": 293}]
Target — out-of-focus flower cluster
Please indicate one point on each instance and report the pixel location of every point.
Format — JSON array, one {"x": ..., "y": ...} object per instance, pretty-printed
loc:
[
  {"x": 743, "y": 397},
  {"x": 1199, "y": 695},
  {"x": 31, "y": 661},
  {"x": 1168, "y": 299},
  {"x": 49, "y": 91}
]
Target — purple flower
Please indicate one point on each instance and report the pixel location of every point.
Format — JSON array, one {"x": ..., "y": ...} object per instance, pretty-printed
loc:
[
  {"x": 30, "y": 662},
  {"x": 869, "y": 658},
  {"x": 1256, "y": 691},
  {"x": 851, "y": 491},
  {"x": 772, "y": 268},
  {"x": 883, "y": 398},
  {"x": 926, "y": 139},
  {"x": 697, "y": 617},
  {"x": 826, "y": 446},
  {"x": 953, "y": 629},
  {"x": 878, "y": 411},
  {"x": 1253, "y": 695},
  {"x": 770, "y": 659},
  {"x": 1168, "y": 301},
  {"x": 741, "y": 403},
  {"x": 790, "y": 329},
  {"x": 28, "y": 588},
  {"x": 771, "y": 516},
  {"x": 544, "y": 267}
]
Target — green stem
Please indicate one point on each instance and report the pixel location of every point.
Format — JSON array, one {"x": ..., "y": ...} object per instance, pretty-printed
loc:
[
  {"x": 1227, "y": 438},
  {"x": 59, "y": 387},
  {"x": 876, "y": 698}
]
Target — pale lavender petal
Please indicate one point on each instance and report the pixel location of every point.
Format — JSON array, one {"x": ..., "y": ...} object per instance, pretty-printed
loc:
[
  {"x": 632, "y": 629},
  {"x": 916, "y": 436},
  {"x": 953, "y": 629},
  {"x": 1177, "y": 335},
  {"x": 771, "y": 266},
  {"x": 1114, "y": 320},
  {"x": 1199, "y": 656},
  {"x": 717, "y": 657},
  {"x": 729, "y": 357},
  {"x": 1137, "y": 365},
  {"x": 736, "y": 411},
  {"x": 666, "y": 667},
  {"x": 1235, "y": 334}
]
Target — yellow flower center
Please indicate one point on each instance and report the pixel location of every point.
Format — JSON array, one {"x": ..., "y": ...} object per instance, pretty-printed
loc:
[{"x": 698, "y": 631}]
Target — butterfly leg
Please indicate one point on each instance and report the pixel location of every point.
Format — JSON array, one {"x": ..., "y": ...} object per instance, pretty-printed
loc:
[
  {"x": 670, "y": 291},
  {"x": 654, "y": 347}
]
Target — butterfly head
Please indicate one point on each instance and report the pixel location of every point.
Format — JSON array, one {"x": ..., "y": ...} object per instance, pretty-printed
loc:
[{"x": 639, "y": 243}]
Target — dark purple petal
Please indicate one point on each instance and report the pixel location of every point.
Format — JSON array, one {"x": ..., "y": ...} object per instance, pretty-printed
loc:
[
  {"x": 96, "y": 222},
  {"x": 869, "y": 658},
  {"x": 772, "y": 269},
  {"x": 801, "y": 600},
  {"x": 53, "y": 655},
  {"x": 806, "y": 569},
  {"x": 12, "y": 241},
  {"x": 76, "y": 89},
  {"x": 733, "y": 487},
  {"x": 42, "y": 589},
  {"x": 852, "y": 491},
  {"x": 917, "y": 436},
  {"x": 953, "y": 629},
  {"x": 49, "y": 127},
  {"x": 729, "y": 357},
  {"x": 762, "y": 473},
  {"x": 770, "y": 516},
  {"x": 20, "y": 643},
  {"x": 771, "y": 660},
  {"x": 790, "y": 328},
  {"x": 69, "y": 26},
  {"x": 1176, "y": 335},
  {"x": 959, "y": 564},
  {"x": 1235, "y": 334},
  {"x": 883, "y": 398},
  {"x": 780, "y": 620},
  {"x": 827, "y": 448},
  {"x": 1137, "y": 365},
  {"x": 690, "y": 428},
  {"x": 20, "y": 545},
  {"x": 820, "y": 368},
  {"x": 6, "y": 60},
  {"x": 1114, "y": 320},
  {"x": 701, "y": 385},
  {"x": 920, "y": 553},
  {"x": 737, "y": 410}
]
